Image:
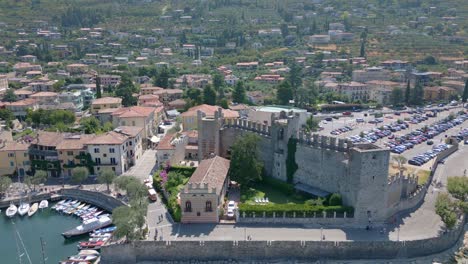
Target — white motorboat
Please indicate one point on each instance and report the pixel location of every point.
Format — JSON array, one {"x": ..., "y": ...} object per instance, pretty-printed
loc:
[
  {"x": 23, "y": 209},
  {"x": 88, "y": 252},
  {"x": 43, "y": 204},
  {"x": 33, "y": 209},
  {"x": 89, "y": 258},
  {"x": 11, "y": 211}
]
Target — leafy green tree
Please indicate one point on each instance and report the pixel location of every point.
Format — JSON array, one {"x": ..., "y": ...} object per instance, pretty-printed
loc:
[
  {"x": 396, "y": 96},
  {"x": 245, "y": 166},
  {"x": 312, "y": 124},
  {"x": 39, "y": 177},
  {"x": 90, "y": 125},
  {"x": 407, "y": 93},
  {"x": 162, "y": 78},
  {"x": 465, "y": 92},
  {"x": 238, "y": 95},
  {"x": 6, "y": 114},
  {"x": 129, "y": 221},
  {"x": 195, "y": 95},
  {"x": 125, "y": 90},
  {"x": 458, "y": 187},
  {"x": 5, "y": 183},
  {"x": 294, "y": 76},
  {"x": 445, "y": 208},
  {"x": 335, "y": 200},
  {"x": 10, "y": 96},
  {"x": 218, "y": 81},
  {"x": 430, "y": 60},
  {"x": 223, "y": 103},
  {"x": 401, "y": 161},
  {"x": 209, "y": 95},
  {"x": 98, "y": 87},
  {"x": 284, "y": 93},
  {"x": 417, "y": 96},
  {"x": 106, "y": 176},
  {"x": 79, "y": 174}
]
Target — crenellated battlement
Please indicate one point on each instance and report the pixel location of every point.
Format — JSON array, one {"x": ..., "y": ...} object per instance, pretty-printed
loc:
[
  {"x": 248, "y": 125},
  {"x": 397, "y": 178},
  {"x": 198, "y": 188},
  {"x": 324, "y": 142}
]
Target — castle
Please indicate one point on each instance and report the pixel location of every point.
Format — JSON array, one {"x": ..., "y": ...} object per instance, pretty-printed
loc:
[{"x": 360, "y": 173}]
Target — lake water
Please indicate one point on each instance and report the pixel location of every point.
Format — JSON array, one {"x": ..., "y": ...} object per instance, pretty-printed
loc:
[{"x": 47, "y": 224}]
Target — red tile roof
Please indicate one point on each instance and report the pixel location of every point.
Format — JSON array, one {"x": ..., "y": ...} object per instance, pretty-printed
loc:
[
  {"x": 134, "y": 111},
  {"x": 211, "y": 171},
  {"x": 165, "y": 143},
  {"x": 109, "y": 138},
  {"x": 107, "y": 100},
  {"x": 210, "y": 110}
]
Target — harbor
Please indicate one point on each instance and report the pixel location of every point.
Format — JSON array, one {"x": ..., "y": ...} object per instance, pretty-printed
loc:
[{"x": 66, "y": 227}]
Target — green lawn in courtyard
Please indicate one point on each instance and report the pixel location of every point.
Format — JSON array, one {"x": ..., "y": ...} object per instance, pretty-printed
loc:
[{"x": 273, "y": 193}]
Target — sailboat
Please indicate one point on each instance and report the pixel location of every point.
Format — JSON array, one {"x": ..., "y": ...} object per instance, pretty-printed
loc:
[
  {"x": 11, "y": 211},
  {"x": 43, "y": 204},
  {"x": 23, "y": 208},
  {"x": 33, "y": 209}
]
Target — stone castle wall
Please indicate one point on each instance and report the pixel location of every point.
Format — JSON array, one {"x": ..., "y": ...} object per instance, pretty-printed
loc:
[{"x": 140, "y": 251}]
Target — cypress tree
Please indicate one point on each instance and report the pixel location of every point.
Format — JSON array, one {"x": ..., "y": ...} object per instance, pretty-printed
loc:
[
  {"x": 363, "y": 49},
  {"x": 407, "y": 93},
  {"x": 465, "y": 92},
  {"x": 98, "y": 87}
]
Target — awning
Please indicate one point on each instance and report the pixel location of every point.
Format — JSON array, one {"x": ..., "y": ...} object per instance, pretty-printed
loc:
[{"x": 155, "y": 139}]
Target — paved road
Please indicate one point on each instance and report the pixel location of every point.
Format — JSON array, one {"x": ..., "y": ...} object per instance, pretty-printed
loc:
[
  {"x": 144, "y": 167},
  {"x": 423, "y": 223}
]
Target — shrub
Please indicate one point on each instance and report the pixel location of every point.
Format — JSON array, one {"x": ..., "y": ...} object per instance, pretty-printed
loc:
[
  {"x": 290, "y": 209},
  {"x": 335, "y": 200},
  {"x": 282, "y": 186}
]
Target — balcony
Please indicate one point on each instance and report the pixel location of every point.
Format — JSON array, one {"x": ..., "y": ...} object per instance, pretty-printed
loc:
[{"x": 45, "y": 153}]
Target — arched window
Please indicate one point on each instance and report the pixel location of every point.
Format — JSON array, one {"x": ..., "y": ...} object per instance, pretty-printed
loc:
[
  {"x": 188, "y": 206},
  {"x": 208, "y": 207}
]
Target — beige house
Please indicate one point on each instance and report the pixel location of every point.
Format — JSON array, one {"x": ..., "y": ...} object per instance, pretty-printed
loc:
[
  {"x": 139, "y": 116},
  {"x": 77, "y": 68},
  {"x": 171, "y": 149},
  {"x": 203, "y": 196},
  {"x": 115, "y": 150},
  {"x": 45, "y": 98},
  {"x": 72, "y": 151},
  {"x": 20, "y": 108},
  {"x": 105, "y": 103},
  {"x": 14, "y": 157},
  {"x": 189, "y": 118}
]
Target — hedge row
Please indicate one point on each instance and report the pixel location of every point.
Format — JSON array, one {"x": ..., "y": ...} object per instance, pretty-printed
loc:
[{"x": 290, "y": 209}]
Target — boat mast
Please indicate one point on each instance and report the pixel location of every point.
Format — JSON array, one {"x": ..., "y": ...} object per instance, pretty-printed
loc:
[
  {"x": 18, "y": 249},
  {"x": 22, "y": 243},
  {"x": 43, "y": 252}
]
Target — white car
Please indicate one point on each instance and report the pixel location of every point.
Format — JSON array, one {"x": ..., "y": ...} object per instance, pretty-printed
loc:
[
  {"x": 231, "y": 206},
  {"x": 230, "y": 213}
]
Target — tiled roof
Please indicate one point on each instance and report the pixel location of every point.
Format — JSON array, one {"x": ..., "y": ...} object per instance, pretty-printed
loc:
[
  {"x": 49, "y": 139},
  {"x": 239, "y": 107},
  {"x": 210, "y": 110},
  {"x": 15, "y": 146},
  {"x": 213, "y": 172},
  {"x": 109, "y": 138},
  {"x": 134, "y": 111},
  {"x": 75, "y": 142},
  {"x": 177, "y": 102},
  {"x": 165, "y": 143},
  {"x": 131, "y": 131},
  {"x": 44, "y": 94},
  {"x": 107, "y": 100},
  {"x": 28, "y": 101}
]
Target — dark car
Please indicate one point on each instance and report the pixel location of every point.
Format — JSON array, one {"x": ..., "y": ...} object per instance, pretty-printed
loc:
[
  {"x": 430, "y": 142},
  {"x": 329, "y": 119}
]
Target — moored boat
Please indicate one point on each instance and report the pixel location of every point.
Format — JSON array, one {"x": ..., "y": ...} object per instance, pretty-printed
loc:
[
  {"x": 23, "y": 209},
  {"x": 91, "y": 245},
  {"x": 74, "y": 262},
  {"x": 86, "y": 252},
  {"x": 11, "y": 211},
  {"x": 83, "y": 258},
  {"x": 33, "y": 209},
  {"x": 88, "y": 227},
  {"x": 105, "y": 230},
  {"x": 43, "y": 204}
]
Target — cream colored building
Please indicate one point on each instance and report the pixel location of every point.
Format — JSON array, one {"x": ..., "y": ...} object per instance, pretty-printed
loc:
[
  {"x": 115, "y": 150},
  {"x": 203, "y": 196},
  {"x": 72, "y": 152},
  {"x": 105, "y": 103},
  {"x": 45, "y": 98},
  {"x": 14, "y": 157},
  {"x": 20, "y": 108},
  {"x": 139, "y": 116}
]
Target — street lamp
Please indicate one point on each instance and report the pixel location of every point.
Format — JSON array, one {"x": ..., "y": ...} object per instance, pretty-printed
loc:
[{"x": 321, "y": 233}]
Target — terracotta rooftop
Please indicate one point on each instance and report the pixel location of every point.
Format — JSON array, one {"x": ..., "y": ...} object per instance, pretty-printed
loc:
[
  {"x": 213, "y": 172},
  {"x": 22, "y": 91},
  {"x": 131, "y": 131},
  {"x": 191, "y": 133},
  {"x": 44, "y": 94},
  {"x": 165, "y": 143},
  {"x": 49, "y": 139},
  {"x": 134, "y": 111},
  {"x": 168, "y": 91},
  {"x": 107, "y": 100},
  {"x": 109, "y": 138},
  {"x": 14, "y": 146},
  {"x": 25, "y": 102},
  {"x": 210, "y": 110},
  {"x": 177, "y": 102},
  {"x": 239, "y": 107},
  {"x": 148, "y": 96},
  {"x": 74, "y": 142}
]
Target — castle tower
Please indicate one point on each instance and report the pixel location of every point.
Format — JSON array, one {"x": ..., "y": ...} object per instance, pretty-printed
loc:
[{"x": 208, "y": 134}]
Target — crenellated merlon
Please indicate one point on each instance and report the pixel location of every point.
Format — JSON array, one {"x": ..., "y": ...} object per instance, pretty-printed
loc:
[
  {"x": 248, "y": 125},
  {"x": 324, "y": 142}
]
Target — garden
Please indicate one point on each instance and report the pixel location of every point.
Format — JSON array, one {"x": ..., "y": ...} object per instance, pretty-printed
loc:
[
  {"x": 284, "y": 199},
  {"x": 169, "y": 181}
]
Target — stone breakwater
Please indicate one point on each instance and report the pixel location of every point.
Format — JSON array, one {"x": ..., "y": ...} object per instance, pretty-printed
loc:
[{"x": 274, "y": 251}]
